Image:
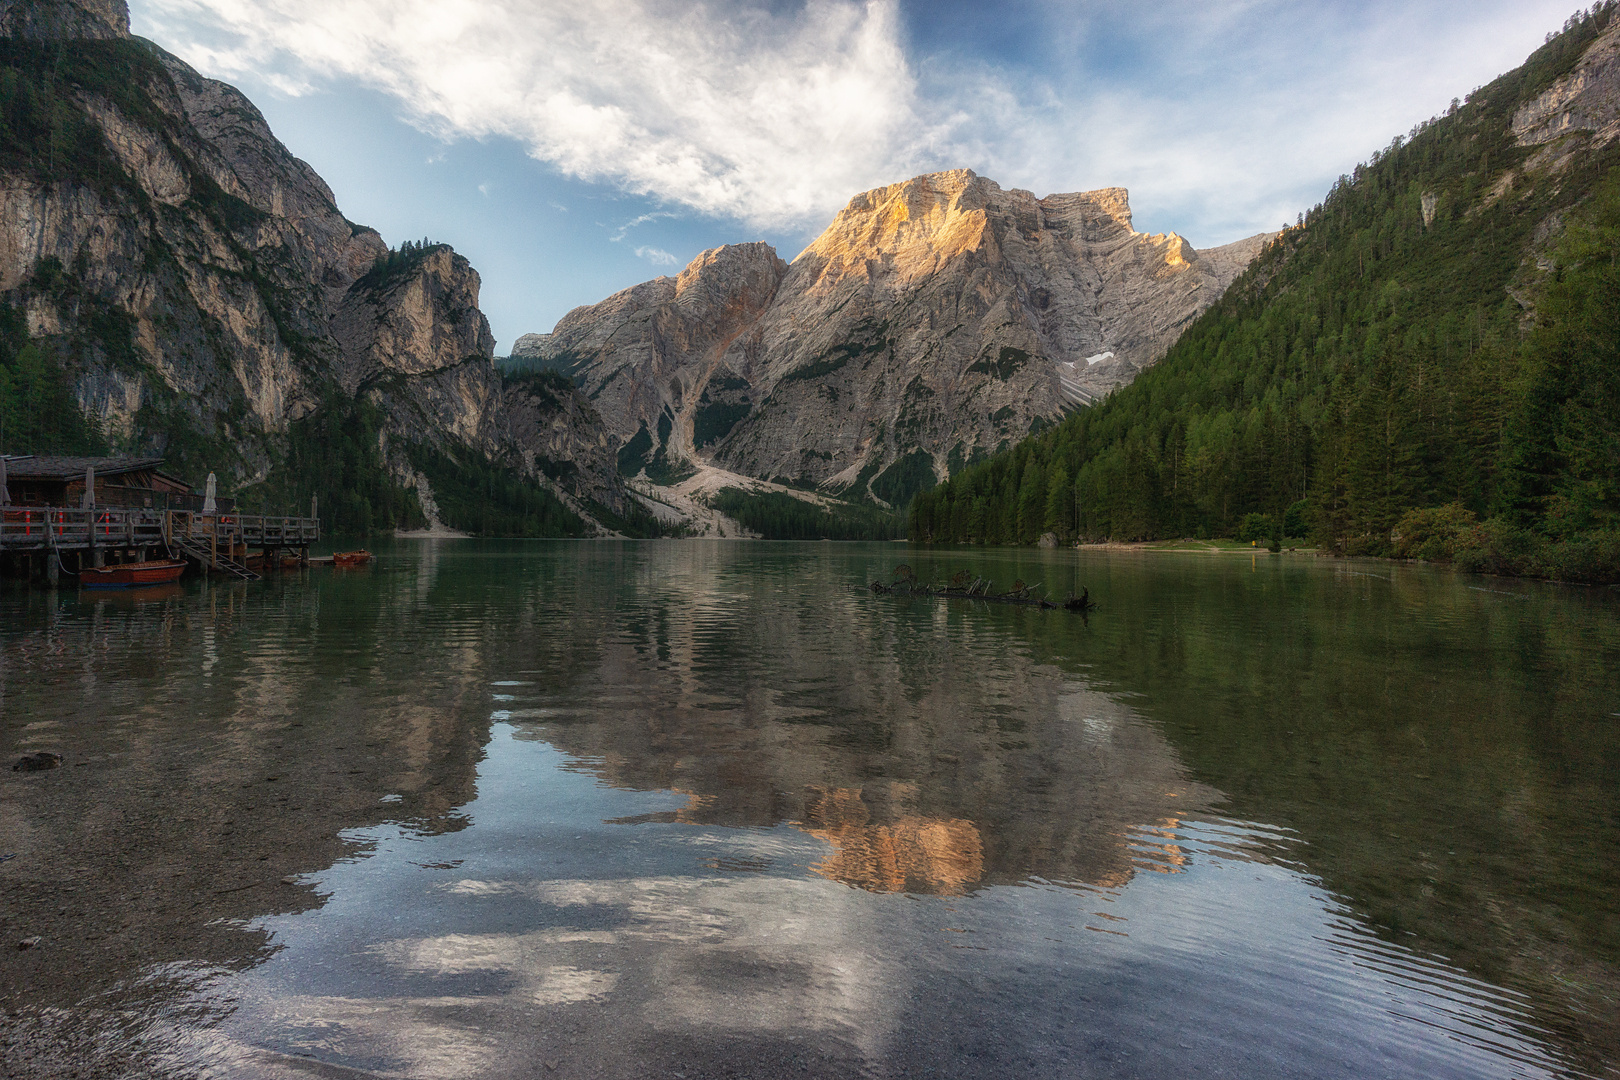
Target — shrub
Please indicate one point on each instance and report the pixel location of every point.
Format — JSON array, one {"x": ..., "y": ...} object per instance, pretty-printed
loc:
[
  {"x": 1256, "y": 527},
  {"x": 1497, "y": 546},
  {"x": 1593, "y": 558},
  {"x": 1432, "y": 533}
]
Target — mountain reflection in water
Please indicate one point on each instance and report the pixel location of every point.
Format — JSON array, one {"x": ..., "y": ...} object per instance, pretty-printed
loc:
[
  {"x": 643, "y": 809},
  {"x": 913, "y": 854}
]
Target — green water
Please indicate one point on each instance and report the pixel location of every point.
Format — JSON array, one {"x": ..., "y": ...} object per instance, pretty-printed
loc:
[{"x": 626, "y": 809}]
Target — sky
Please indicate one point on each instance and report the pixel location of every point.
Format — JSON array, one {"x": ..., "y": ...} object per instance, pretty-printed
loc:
[{"x": 572, "y": 148}]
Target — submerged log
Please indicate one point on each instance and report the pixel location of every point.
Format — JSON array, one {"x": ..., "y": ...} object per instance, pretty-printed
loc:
[
  {"x": 965, "y": 586},
  {"x": 1081, "y": 603},
  {"x": 947, "y": 593}
]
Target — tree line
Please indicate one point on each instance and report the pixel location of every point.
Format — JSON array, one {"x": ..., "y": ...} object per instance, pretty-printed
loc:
[
  {"x": 1394, "y": 375},
  {"x": 778, "y": 516}
]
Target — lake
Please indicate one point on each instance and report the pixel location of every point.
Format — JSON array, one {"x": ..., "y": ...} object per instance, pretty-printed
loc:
[{"x": 694, "y": 809}]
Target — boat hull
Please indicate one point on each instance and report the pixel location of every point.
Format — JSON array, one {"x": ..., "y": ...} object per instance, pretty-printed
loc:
[{"x": 131, "y": 575}]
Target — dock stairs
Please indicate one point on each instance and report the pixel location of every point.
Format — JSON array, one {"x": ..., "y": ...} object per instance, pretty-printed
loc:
[{"x": 212, "y": 559}]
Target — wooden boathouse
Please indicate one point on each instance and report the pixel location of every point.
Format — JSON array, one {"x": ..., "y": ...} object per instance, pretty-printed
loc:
[{"x": 69, "y": 513}]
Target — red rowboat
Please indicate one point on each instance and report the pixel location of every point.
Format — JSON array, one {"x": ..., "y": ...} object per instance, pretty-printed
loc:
[
  {"x": 131, "y": 575},
  {"x": 351, "y": 558}
]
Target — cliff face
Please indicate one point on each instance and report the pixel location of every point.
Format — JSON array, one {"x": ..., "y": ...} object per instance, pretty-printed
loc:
[
  {"x": 198, "y": 282},
  {"x": 36, "y": 21},
  {"x": 932, "y": 322},
  {"x": 419, "y": 317},
  {"x": 1584, "y": 104}
]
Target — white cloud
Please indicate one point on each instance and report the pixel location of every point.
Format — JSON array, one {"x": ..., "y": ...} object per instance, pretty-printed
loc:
[
  {"x": 730, "y": 110},
  {"x": 640, "y": 219},
  {"x": 657, "y": 256},
  {"x": 1222, "y": 118}
]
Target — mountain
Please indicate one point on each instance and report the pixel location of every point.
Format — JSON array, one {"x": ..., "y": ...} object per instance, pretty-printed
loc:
[
  {"x": 1427, "y": 366},
  {"x": 173, "y": 280},
  {"x": 933, "y": 322}
]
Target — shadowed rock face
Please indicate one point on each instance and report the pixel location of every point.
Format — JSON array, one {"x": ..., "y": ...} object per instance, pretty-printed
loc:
[
  {"x": 245, "y": 291},
  {"x": 37, "y": 21},
  {"x": 931, "y": 322}
]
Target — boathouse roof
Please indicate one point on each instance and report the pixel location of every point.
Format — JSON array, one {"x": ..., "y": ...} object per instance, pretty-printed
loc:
[
  {"x": 35, "y": 466},
  {"x": 47, "y": 480}
]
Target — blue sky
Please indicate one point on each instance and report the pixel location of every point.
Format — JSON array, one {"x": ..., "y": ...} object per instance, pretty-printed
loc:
[{"x": 571, "y": 148}]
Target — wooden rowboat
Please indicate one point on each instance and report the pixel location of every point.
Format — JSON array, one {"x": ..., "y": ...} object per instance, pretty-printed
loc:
[
  {"x": 351, "y": 558},
  {"x": 131, "y": 575}
]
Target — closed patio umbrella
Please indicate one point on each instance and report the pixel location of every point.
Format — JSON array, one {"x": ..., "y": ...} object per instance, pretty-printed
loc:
[{"x": 208, "y": 496}]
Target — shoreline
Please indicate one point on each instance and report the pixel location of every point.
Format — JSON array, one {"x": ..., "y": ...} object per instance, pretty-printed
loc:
[
  {"x": 1191, "y": 547},
  {"x": 438, "y": 532}
]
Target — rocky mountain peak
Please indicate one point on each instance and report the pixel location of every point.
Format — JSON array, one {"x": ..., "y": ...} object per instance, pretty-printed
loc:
[
  {"x": 912, "y": 227},
  {"x": 415, "y": 317},
  {"x": 53, "y": 20},
  {"x": 1095, "y": 216},
  {"x": 907, "y": 231},
  {"x": 933, "y": 321},
  {"x": 729, "y": 276}
]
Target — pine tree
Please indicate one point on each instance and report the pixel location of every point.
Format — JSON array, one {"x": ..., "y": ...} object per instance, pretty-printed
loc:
[
  {"x": 1032, "y": 503},
  {"x": 1060, "y": 503}
]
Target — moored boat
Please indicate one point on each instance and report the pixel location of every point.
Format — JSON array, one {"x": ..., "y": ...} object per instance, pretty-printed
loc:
[
  {"x": 351, "y": 558},
  {"x": 131, "y": 575}
]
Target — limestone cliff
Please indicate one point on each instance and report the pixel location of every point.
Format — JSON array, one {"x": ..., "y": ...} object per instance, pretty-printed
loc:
[
  {"x": 201, "y": 287},
  {"x": 411, "y": 318},
  {"x": 1583, "y": 105},
  {"x": 932, "y": 322}
]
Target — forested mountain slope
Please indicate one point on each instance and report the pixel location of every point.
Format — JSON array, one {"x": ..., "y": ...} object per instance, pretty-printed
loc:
[
  {"x": 1426, "y": 365},
  {"x": 174, "y": 281}
]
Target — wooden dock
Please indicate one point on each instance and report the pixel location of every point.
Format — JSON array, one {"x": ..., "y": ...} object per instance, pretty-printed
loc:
[{"x": 47, "y": 540}]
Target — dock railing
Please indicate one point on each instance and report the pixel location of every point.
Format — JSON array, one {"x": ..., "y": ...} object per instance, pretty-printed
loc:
[
  {"x": 34, "y": 528},
  {"x": 31, "y": 528},
  {"x": 279, "y": 531}
]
